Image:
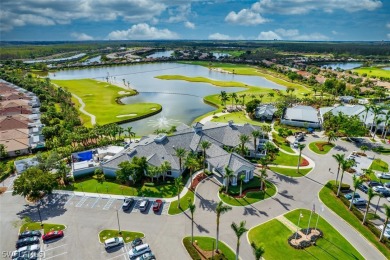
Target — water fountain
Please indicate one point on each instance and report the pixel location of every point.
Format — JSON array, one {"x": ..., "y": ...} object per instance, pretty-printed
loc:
[{"x": 162, "y": 122}]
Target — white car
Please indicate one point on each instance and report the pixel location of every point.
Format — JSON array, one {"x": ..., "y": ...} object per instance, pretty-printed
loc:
[
  {"x": 113, "y": 242},
  {"x": 139, "y": 250},
  {"x": 383, "y": 175},
  {"x": 387, "y": 227},
  {"x": 379, "y": 189},
  {"x": 25, "y": 249}
]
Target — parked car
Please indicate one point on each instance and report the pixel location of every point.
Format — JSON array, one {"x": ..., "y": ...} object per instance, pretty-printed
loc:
[
  {"x": 295, "y": 144},
  {"x": 157, "y": 205},
  {"x": 52, "y": 235},
  {"x": 23, "y": 250},
  {"x": 31, "y": 255},
  {"x": 386, "y": 234},
  {"x": 30, "y": 233},
  {"x": 355, "y": 140},
  {"x": 147, "y": 256},
  {"x": 349, "y": 195},
  {"x": 136, "y": 242},
  {"x": 374, "y": 183},
  {"x": 387, "y": 227},
  {"x": 387, "y": 185},
  {"x": 113, "y": 242},
  {"x": 128, "y": 202},
  {"x": 384, "y": 192},
  {"x": 138, "y": 250},
  {"x": 359, "y": 202},
  {"x": 27, "y": 241},
  {"x": 363, "y": 188},
  {"x": 143, "y": 205},
  {"x": 299, "y": 137},
  {"x": 379, "y": 189},
  {"x": 383, "y": 175}
]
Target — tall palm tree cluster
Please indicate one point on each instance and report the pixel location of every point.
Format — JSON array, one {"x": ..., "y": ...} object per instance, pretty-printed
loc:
[{"x": 377, "y": 120}]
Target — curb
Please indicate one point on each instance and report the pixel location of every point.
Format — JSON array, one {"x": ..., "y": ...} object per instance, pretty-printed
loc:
[{"x": 118, "y": 230}]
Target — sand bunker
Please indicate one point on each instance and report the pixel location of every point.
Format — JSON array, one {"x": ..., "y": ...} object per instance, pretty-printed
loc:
[
  {"x": 123, "y": 92},
  {"x": 128, "y": 115}
]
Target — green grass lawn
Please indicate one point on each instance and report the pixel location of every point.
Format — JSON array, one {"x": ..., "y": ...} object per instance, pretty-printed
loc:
[
  {"x": 373, "y": 71},
  {"x": 326, "y": 147},
  {"x": 274, "y": 234},
  {"x": 166, "y": 190},
  {"x": 173, "y": 207},
  {"x": 100, "y": 100},
  {"x": 251, "y": 197},
  {"x": 281, "y": 142},
  {"x": 291, "y": 172},
  {"x": 379, "y": 165},
  {"x": 37, "y": 226},
  {"x": 237, "y": 117},
  {"x": 286, "y": 159},
  {"x": 128, "y": 236},
  {"x": 206, "y": 243},
  {"x": 330, "y": 200}
]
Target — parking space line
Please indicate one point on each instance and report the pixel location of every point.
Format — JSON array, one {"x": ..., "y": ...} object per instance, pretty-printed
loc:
[
  {"x": 71, "y": 197},
  {"x": 55, "y": 255},
  {"x": 165, "y": 208},
  {"x": 96, "y": 201},
  {"x": 51, "y": 248},
  {"x": 81, "y": 202},
  {"x": 124, "y": 254},
  {"x": 108, "y": 204}
]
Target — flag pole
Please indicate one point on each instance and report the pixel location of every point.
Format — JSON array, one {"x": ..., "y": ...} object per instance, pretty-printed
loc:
[
  {"x": 299, "y": 219},
  {"x": 311, "y": 214}
]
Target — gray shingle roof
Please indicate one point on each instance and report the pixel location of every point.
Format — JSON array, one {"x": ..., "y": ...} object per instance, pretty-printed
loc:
[{"x": 301, "y": 113}]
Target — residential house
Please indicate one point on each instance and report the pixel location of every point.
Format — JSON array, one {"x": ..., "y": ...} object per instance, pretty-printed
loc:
[
  {"x": 346, "y": 99},
  {"x": 301, "y": 116},
  {"x": 265, "y": 112}
]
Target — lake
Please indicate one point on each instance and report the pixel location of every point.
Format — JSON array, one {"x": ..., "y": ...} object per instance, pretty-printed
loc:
[
  {"x": 343, "y": 65},
  {"x": 56, "y": 60},
  {"x": 160, "y": 54},
  {"x": 386, "y": 68},
  {"x": 182, "y": 101}
]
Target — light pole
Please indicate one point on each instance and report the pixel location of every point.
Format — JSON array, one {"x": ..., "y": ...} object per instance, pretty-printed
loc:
[
  {"x": 119, "y": 226},
  {"x": 39, "y": 213}
]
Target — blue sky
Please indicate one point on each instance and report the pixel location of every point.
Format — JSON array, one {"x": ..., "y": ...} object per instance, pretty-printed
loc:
[{"x": 308, "y": 20}]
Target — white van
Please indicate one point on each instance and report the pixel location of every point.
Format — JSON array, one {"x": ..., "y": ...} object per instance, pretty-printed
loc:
[
  {"x": 112, "y": 242},
  {"x": 138, "y": 250}
]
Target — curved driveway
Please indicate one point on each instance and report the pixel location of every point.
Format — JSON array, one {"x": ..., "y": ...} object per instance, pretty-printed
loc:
[{"x": 164, "y": 233}]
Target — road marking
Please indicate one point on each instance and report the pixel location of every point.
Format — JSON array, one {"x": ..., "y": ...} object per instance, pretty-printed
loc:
[
  {"x": 108, "y": 204},
  {"x": 124, "y": 254},
  {"x": 71, "y": 197},
  {"x": 81, "y": 202},
  {"x": 136, "y": 206},
  {"x": 56, "y": 255},
  {"x": 51, "y": 248},
  {"x": 165, "y": 208},
  {"x": 97, "y": 199}
]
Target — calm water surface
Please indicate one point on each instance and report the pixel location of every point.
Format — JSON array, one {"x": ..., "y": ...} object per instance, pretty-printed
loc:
[
  {"x": 343, "y": 65},
  {"x": 182, "y": 101}
]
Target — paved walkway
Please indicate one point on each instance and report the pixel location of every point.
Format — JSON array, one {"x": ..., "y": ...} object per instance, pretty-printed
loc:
[
  {"x": 82, "y": 110},
  {"x": 210, "y": 117}
]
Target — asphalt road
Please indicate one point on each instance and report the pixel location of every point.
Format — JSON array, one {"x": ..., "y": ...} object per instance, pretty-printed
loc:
[{"x": 85, "y": 217}]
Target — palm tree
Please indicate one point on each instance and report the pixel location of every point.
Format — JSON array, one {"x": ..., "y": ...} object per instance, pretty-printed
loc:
[
  {"x": 228, "y": 174},
  {"x": 367, "y": 108},
  {"x": 192, "y": 164},
  {"x": 204, "y": 145},
  {"x": 192, "y": 208},
  {"x": 271, "y": 94},
  {"x": 356, "y": 183},
  {"x": 223, "y": 97},
  {"x": 258, "y": 251},
  {"x": 266, "y": 129},
  {"x": 340, "y": 157},
  {"x": 242, "y": 178},
  {"x": 300, "y": 147},
  {"x": 130, "y": 132},
  {"x": 179, "y": 185},
  {"x": 378, "y": 121},
  {"x": 253, "y": 96},
  {"x": 256, "y": 134},
  {"x": 243, "y": 140},
  {"x": 370, "y": 194},
  {"x": 234, "y": 97},
  {"x": 243, "y": 99},
  {"x": 261, "y": 97},
  {"x": 180, "y": 153},
  {"x": 386, "y": 126},
  {"x": 376, "y": 110},
  {"x": 120, "y": 132},
  {"x": 331, "y": 136},
  {"x": 220, "y": 210},
  {"x": 345, "y": 165},
  {"x": 387, "y": 214},
  {"x": 239, "y": 230},
  {"x": 165, "y": 166},
  {"x": 263, "y": 175}
]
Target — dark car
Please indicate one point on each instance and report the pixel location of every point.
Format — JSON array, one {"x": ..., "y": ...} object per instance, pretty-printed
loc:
[
  {"x": 363, "y": 188},
  {"x": 374, "y": 184},
  {"x": 27, "y": 241},
  {"x": 157, "y": 205},
  {"x": 136, "y": 242},
  {"x": 53, "y": 235},
  {"x": 128, "y": 202},
  {"x": 30, "y": 233},
  {"x": 385, "y": 193}
]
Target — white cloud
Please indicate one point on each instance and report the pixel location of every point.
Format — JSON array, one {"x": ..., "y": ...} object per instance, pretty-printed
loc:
[
  {"x": 189, "y": 25},
  {"x": 180, "y": 14},
  {"x": 388, "y": 25},
  {"x": 270, "y": 35},
  {"x": 334, "y": 32},
  {"x": 220, "y": 36},
  {"x": 142, "y": 31},
  {"x": 287, "y": 33},
  {"x": 52, "y": 12},
  {"x": 245, "y": 17},
  {"x": 81, "y": 36}
]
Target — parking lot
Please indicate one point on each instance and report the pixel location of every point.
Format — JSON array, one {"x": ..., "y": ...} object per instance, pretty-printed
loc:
[
  {"x": 120, "y": 252},
  {"x": 103, "y": 202},
  {"x": 55, "y": 249}
]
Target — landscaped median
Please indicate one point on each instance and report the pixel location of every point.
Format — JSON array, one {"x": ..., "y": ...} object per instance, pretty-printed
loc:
[
  {"x": 282, "y": 143},
  {"x": 101, "y": 100},
  {"x": 370, "y": 232},
  {"x": 184, "y": 202},
  {"x": 291, "y": 172},
  {"x": 251, "y": 193},
  {"x": 285, "y": 159},
  {"x": 274, "y": 236},
  {"x": 203, "y": 249},
  {"x": 37, "y": 226},
  {"x": 321, "y": 147},
  {"x": 127, "y": 236}
]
